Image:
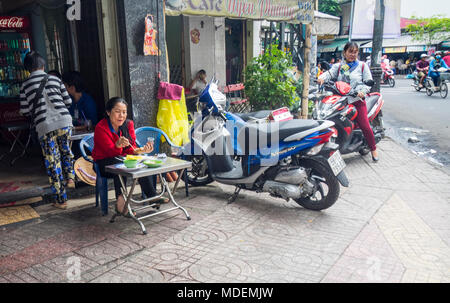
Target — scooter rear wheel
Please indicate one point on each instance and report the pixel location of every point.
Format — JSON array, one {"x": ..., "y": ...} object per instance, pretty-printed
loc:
[
  {"x": 391, "y": 82},
  {"x": 319, "y": 175}
]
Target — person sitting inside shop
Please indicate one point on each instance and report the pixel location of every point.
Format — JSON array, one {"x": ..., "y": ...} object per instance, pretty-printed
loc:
[
  {"x": 199, "y": 83},
  {"x": 84, "y": 108}
]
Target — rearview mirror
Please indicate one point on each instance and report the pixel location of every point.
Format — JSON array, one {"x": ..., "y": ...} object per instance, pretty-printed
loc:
[{"x": 370, "y": 83}]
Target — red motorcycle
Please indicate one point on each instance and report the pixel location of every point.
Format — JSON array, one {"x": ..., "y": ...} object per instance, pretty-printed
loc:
[
  {"x": 388, "y": 77},
  {"x": 334, "y": 106}
]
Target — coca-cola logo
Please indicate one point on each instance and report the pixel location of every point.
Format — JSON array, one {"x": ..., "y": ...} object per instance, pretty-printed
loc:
[
  {"x": 13, "y": 22},
  {"x": 11, "y": 115}
]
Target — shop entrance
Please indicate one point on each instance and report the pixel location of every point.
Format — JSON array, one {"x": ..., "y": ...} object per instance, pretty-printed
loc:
[
  {"x": 175, "y": 49},
  {"x": 235, "y": 50}
]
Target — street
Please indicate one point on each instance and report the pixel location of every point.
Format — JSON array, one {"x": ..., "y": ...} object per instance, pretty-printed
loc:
[{"x": 409, "y": 113}]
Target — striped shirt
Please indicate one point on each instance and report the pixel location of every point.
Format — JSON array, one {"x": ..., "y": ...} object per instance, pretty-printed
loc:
[{"x": 51, "y": 114}]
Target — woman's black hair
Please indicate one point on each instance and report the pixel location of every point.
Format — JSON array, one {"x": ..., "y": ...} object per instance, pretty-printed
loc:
[
  {"x": 74, "y": 78},
  {"x": 109, "y": 107},
  {"x": 33, "y": 61},
  {"x": 55, "y": 73},
  {"x": 350, "y": 45}
]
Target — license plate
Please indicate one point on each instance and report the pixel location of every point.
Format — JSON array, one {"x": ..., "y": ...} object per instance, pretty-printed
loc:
[{"x": 336, "y": 162}]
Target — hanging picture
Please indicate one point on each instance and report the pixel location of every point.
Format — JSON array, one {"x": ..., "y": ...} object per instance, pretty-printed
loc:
[
  {"x": 150, "y": 45},
  {"x": 195, "y": 36}
]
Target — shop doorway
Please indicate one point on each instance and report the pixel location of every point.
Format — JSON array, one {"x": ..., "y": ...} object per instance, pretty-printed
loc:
[
  {"x": 235, "y": 50},
  {"x": 175, "y": 49},
  {"x": 89, "y": 54}
]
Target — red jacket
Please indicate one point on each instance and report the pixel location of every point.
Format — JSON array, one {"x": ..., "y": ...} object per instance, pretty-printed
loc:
[
  {"x": 105, "y": 141},
  {"x": 447, "y": 60}
]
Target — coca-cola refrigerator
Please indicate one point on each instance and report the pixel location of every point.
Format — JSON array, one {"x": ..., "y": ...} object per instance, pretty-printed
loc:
[{"x": 15, "y": 43}]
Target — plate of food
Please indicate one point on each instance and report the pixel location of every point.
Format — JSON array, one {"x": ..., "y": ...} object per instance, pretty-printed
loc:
[
  {"x": 134, "y": 158},
  {"x": 153, "y": 163},
  {"x": 137, "y": 167}
]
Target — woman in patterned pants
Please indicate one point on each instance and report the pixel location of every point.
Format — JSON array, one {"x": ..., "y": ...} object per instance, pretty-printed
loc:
[
  {"x": 46, "y": 100},
  {"x": 58, "y": 162}
]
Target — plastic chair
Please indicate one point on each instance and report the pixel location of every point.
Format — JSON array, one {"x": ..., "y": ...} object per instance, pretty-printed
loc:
[
  {"x": 142, "y": 135},
  {"x": 101, "y": 184}
]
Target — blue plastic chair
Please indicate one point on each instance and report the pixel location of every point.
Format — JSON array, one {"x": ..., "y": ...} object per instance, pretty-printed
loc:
[
  {"x": 142, "y": 135},
  {"x": 101, "y": 184}
]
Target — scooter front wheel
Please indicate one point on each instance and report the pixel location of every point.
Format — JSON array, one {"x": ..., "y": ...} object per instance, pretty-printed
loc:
[
  {"x": 444, "y": 90},
  {"x": 199, "y": 174},
  {"x": 417, "y": 85},
  {"x": 326, "y": 186},
  {"x": 391, "y": 82}
]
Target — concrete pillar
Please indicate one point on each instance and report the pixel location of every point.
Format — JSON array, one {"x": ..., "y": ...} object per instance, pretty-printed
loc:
[{"x": 141, "y": 72}]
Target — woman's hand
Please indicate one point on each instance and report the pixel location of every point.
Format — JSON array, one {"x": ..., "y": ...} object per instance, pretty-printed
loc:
[
  {"x": 320, "y": 81},
  {"x": 148, "y": 148},
  {"x": 122, "y": 142},
  {"x": 361, "y": 95}
]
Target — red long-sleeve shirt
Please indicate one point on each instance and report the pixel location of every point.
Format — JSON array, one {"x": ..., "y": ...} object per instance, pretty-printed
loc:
[{"x": 105, "y": 141}]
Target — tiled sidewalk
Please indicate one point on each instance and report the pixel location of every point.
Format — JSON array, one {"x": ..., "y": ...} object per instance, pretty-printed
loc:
[{"x": 391, "y": 225}]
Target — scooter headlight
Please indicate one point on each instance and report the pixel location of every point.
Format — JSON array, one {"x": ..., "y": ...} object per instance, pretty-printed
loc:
[{"x": 325, "y": 111}]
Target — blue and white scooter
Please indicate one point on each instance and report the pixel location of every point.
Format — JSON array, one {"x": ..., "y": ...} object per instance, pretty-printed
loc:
[{"x": 290, "y": 160}]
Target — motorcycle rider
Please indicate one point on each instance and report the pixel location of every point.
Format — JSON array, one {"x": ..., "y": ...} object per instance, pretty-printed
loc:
[
  {"x": 436, "y": 64},
  {"x": 447, "y": 58},
  {"x": 355, "y": 73},
  {"x": 385, "y": 66},
  {"x": 422, "y": 67}
]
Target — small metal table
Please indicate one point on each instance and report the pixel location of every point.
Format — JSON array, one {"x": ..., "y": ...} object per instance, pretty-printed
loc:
[
  {"x": 16, "y": 129},
  {"x": 171, "y": 164},
  {"x": 76, "y": 136}
]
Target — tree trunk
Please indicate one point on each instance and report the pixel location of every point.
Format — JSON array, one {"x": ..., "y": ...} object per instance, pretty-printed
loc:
[{"x": 306, "y": 71}]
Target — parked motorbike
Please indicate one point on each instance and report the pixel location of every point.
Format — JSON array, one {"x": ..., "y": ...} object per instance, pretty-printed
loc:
[
  {"x": 334, "y": 106},
  {"x": 388, "y": 77},
  {"x": 290, "y": 160}
]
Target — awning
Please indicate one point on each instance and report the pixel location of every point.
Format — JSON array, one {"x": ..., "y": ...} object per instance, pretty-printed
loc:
[
  {"x": 325, "y": 24},
  {"x": 405, "y": 41},
  {"x": 391, "y": 50},
  {"x": 291, "y": 11},
  {"x": 336, "y": 46},
  {"x": 446, "y": 44}
]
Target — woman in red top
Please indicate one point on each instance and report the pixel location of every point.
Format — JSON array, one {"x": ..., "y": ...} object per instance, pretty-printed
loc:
[{"x": 115, "y": 136}]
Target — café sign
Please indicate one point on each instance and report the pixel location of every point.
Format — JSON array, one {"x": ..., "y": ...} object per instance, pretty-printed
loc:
[{"x": 292, "y": 11}]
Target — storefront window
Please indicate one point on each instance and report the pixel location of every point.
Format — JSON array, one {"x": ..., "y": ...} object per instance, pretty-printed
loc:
[{"x": 56, "y": 38}]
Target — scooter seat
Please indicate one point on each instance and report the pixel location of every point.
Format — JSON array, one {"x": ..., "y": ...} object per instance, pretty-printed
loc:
[
  {"x": 272, "y": 131},
  {"x": 255, "y": 115},
  {"x": 371, "y": 101}
]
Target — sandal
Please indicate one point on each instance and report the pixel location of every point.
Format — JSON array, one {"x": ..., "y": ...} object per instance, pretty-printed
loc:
[
  {"x": 163, "y": 200},
  {"x": 62, "y": 206},
  {"x": 127, "y": 214},
  {"x": 70, "y": 183}
]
